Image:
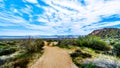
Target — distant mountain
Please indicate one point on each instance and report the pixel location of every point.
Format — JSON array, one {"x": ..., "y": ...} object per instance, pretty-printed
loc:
[
  {"x": 39, "y": 36},
  {"x": 107, "y": 32}
]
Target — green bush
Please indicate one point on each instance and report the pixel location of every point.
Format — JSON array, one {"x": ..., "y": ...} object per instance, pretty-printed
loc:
[
  {"x": 65, "y": 43},
  {"x": 11, "y": 42},
  {"x": 90, "y": 65},
  {"x": 39, "y": 44},
  {"x": 18, "y": 63},
  {"x": 1, "y": 47},
  {"x": 22, "y": 63},
  {"x": 3, "y": 44},
  {"x": 79, "y": 53},
  {"x": 7, "y": 51},
  {"x": 33, "y": 45},
  {"x": 116, "y": 49},
  {"x": 93, "y": 42}
]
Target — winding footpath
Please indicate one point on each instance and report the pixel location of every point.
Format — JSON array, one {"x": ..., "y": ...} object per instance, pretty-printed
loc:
[{"x": 54, "y": 57}]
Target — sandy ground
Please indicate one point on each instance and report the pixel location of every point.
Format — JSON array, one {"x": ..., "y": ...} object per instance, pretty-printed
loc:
[{"x": 54, "y": 57}]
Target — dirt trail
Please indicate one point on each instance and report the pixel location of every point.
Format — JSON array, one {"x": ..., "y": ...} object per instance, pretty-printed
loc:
[{"x": 54, "y": 57}]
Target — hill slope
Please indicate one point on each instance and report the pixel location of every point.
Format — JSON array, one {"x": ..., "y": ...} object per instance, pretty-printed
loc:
[{"x": 107, "y": 32}]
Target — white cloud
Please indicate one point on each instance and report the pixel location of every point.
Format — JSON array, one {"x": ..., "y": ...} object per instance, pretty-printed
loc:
[
  {"x": 16, "y": 32},
  {"x": 62, "y": 15},
  {"x": 102, "y": 25},
  {"x": 10, "y": 18},
  {"x": 58, "y": 14},
  {"x": 27, "y": 9}
]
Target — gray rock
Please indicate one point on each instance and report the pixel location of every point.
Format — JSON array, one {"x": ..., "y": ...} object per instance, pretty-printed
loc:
[
  {"x": 106, "y": 63},
  {"x": 2, "y": 62}
]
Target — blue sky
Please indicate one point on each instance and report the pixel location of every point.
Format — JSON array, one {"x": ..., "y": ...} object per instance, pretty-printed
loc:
[{"x": 57, "y": 17}]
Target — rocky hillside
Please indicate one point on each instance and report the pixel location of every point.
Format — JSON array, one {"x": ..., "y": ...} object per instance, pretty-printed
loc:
[{"x": 107, "y": 33}]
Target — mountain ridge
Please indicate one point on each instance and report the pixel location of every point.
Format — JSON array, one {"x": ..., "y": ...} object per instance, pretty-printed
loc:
[{"x": 106, "y": 32}]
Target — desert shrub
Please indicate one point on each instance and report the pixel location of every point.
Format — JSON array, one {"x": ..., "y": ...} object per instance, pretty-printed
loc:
[
  {"x": 65, "y": 43},
  {"x": 79, "y": 53},
  {"x": 3, "y": 44},
  {"x": 22, "y": 63},
  {"x": 18, "y": 63},
  {"x": 112, "y": 42},
  {"x": 22, "y": 54},
  {"x": 93, "y": 42},
  {"x": 50, "y": 40},
  {"x": 33, "y": 45},
  {"x": 7, "y": 51},
  {"x": 11, "y": 42},
  {"x": 90, "y": 65},
  {"x": 39, "y": 43},
  {"x": 1, "y": 47},
  {"x": 116, "y": 49}
]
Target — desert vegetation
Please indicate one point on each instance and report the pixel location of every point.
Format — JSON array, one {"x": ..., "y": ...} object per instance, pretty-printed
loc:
[
  {"x": 93, "y": 42},
  {"x": 90, "y": 47},
  {"x": 116, "y": 49},
  {"x": 19, "y": 53},
  {"x": 89, "y": 51}
]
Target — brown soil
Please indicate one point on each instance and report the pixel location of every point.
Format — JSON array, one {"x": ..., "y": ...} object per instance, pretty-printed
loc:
[{"x": 54, "y": 57}]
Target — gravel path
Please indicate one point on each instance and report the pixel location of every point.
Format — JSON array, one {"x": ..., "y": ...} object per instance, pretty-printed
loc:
[{"x": 54, "y": 57}]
